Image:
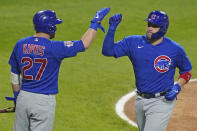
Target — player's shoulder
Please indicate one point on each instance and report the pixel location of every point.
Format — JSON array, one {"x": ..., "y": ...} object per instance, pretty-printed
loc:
[
  {"x": 25, "y": 39},
  {"x": 20, "y": 42},
  {"x": 173, "y": 43},
  {"x": 56, "y": 42},
  {"x": 134, "y": 37}
]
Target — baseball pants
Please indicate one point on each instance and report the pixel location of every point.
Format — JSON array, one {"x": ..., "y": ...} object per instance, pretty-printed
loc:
[
  {"x": 34, "y": 112},
  {"x": 153, "y": 114}
]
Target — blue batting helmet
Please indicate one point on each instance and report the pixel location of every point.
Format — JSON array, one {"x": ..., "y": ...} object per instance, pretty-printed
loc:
[
  {"x": 159, "y": 18},
  {"x": 45, "y": 21}
]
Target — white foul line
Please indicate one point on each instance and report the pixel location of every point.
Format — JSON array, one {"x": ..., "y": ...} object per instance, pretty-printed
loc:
[
  {"x": 121, "y": 103},
  {"x": 120, "y": 107}
]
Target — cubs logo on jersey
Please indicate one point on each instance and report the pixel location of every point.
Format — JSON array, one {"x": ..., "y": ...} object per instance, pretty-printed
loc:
[{"x": 162, "y": 63}]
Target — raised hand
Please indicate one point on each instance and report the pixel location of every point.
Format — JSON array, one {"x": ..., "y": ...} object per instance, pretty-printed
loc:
[
  {"x": 114, "y": 21},
  {"x": 96, "y": 21}
]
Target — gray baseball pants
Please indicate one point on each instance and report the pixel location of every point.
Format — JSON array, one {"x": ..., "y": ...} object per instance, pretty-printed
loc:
[
  {"x": 153, "y": 114},
  {"x": 34, "y": 112}
]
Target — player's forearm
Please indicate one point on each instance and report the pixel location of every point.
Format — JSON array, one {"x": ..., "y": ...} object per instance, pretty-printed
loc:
[
  {"x": 15, "y": 81},
  {"x": 182, "y": 81},
  {"x": 88, "y": 37},
  {"x": 15, "y": 87},
  {"x": 108, "y": 43}
]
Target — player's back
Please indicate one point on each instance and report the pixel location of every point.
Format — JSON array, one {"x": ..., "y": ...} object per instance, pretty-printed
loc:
[{"x": 39, "y": 63}]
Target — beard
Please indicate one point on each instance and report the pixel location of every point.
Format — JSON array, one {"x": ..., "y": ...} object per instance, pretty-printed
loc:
[
  {"x": 149, "y": 35},
  {"x": 52, "y": 36}
]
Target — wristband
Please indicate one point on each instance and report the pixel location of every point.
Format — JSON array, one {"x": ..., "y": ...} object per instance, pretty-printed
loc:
[
  {"x": 186, "y": 76},
  {"x": 94, "y": 25}
]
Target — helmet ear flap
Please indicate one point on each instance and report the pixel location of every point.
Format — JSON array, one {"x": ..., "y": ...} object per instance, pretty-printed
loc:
[{"x": 52, "y": 28}]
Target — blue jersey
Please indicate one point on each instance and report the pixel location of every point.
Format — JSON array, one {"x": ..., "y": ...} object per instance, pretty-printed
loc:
[
  {"x": 154, "y": 65},
  {"x": 38, "y": 60}
]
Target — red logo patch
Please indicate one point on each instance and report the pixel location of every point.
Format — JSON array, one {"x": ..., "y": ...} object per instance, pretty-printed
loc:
[
  {"x": 162, "y": 63},
  {"x": 153, "y": 16}
]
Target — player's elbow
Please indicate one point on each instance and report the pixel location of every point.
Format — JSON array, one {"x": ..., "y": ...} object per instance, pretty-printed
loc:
[
  {"x": 86, "y": 44},
  {"x": 107, "y": 52}
]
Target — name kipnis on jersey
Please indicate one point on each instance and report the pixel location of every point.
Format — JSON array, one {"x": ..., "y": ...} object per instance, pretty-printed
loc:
[{"x": 33, "y": 49}]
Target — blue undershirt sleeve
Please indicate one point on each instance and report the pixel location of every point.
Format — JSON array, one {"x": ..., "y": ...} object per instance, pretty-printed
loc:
[
  {"x": 117, "y": 49},
  {"x": 108, "y": 44}
]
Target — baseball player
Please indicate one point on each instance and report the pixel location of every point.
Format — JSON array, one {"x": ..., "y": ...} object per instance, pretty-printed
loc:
[
  {"x": 38, "y": 59},
  {"x": 154, "y": 58}
]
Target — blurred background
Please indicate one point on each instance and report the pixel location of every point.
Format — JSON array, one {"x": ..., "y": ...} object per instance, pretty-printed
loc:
[{"x": 91, "y": 84}]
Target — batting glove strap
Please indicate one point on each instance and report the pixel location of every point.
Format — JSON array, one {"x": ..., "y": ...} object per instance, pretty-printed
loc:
[{"x": 95, "y": 25}]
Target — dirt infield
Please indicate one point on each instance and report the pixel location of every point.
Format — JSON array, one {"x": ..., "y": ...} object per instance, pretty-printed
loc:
[{"x": 184, "y": 117}]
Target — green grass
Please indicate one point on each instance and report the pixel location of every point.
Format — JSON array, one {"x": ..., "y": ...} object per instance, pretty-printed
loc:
[{"x": 90, "y": 84}]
